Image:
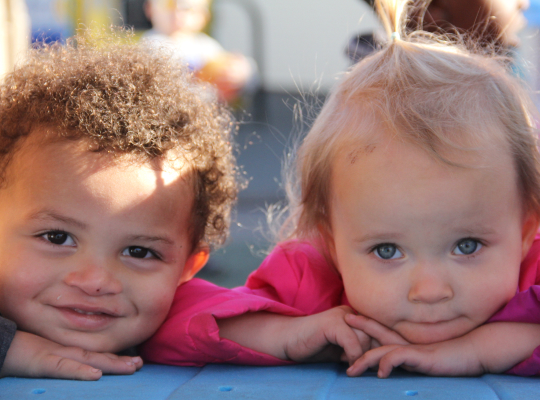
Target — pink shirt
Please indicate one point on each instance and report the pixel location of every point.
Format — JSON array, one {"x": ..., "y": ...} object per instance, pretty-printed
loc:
[{"x": 295, "y": 279}]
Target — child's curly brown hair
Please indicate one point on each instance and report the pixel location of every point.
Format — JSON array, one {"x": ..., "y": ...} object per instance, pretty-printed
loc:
[{"x": 126, "y": 99}]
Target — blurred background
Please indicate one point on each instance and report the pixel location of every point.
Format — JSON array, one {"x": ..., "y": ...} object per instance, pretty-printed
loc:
[{"x": 289, "y": 54}]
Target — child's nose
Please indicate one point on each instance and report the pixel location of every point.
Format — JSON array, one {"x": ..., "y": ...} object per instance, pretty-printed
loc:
[
  {"x": 429, "y": 287},
  {"x": 94, "y": 280}
]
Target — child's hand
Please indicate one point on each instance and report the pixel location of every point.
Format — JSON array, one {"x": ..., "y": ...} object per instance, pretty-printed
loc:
[
  {"x": 33, "y": 356},
  {"x": 390, "y": 350},
  {"x": 319, "y": 337},
  {"x": 229, "y": 73},
  {"x": 314, "y": 338},
  {"x": 324, "y": 337},
  {"x": 450, "y": 358},
  {"x": 483, "y": 350},
  {"x": 379, "y": 334}
]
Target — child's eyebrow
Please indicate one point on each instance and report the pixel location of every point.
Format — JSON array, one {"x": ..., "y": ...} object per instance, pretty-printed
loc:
[
  {"x": 144, "y": 238},
  {"x": 378, "y": 236},
  {"x": 50, "y": 215},
  {"x": 480, "y": 231}
]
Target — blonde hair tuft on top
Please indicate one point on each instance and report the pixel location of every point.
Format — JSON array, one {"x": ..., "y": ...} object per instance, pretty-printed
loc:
[{"x": 435, "y": 91}]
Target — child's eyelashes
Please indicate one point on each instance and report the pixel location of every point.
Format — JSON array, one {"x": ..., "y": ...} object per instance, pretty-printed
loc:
[
  {"x": 467, "y": 247},
  {"x": 61, "y": 238},
  {"x": 140, "y": 252},
  {"x": 58, "y": 238},
  {"x": 387, "y": 251},
  {"x": 463, "y": 247}
]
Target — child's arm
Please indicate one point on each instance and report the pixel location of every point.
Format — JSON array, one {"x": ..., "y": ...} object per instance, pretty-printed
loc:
[
  {"x": 314, "y": 338},
  {"x": 33, "y": 356},
  {"x": 490, "y": 348}
]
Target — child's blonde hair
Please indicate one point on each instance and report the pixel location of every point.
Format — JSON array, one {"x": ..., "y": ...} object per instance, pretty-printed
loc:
[
  {"x": 425, "y": 90},
  {"x": 125, "y": 99}
]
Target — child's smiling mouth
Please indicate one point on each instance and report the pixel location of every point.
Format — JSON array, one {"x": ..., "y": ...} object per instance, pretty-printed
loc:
[
  {"x": 87, "y": 318},
  {"x": 86, "y": 312}
]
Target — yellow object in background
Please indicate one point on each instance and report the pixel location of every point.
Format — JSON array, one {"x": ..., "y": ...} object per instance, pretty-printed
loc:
[
  {"x": 14, "y": 33},
  {"x": 86, "y": 13}
]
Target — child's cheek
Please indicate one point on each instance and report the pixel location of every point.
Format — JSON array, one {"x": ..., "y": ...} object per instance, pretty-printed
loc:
[
  {"x": 19, "y": 287},
  {"x": 160, "y": 305}
]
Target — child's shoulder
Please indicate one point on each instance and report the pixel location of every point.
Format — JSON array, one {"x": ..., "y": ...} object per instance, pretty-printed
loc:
[
  {"x": 300, "y": 251},
  {"x": 530, "y": 266},
  {"x": 298, "y": 258},
  {"x": 297, "y": 273}
]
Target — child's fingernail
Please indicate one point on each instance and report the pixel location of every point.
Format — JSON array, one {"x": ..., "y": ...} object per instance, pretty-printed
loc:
[
  {"x": 95, "y": 370},
  {"x": 136, "y": 360},
  {"x": 130, "y": 363}
]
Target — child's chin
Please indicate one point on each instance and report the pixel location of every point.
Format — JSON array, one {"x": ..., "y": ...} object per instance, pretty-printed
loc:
[{"x": 422, "y": 334}]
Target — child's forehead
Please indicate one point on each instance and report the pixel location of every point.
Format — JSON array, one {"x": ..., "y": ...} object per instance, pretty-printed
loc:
[
  {"x": 82, "y": 157},
  {"x": 474, "y": 146},
  {"x": 62, "y": 170},
  {"x": 393, "y": 175}
]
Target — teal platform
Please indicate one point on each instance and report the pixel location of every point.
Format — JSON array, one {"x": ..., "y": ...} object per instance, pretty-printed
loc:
[{"x": 314, "y": 381}]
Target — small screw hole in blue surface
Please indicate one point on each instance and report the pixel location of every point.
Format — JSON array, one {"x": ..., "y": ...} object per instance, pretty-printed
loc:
[
  {"x": 411, "y": 392},
  {"x": 38, "y": 391},
  {"x": 225, "y": 388}
]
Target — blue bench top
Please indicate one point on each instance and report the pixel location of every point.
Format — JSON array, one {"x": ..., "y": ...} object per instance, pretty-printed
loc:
[{"x": 311, "y": 381}]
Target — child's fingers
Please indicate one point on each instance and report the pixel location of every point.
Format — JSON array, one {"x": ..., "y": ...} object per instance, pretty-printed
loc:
[
  {"x": 377, "y": 331},
  {"x": 401, "y": 356},
  {"x": 127, "y": 359},
  {"x": 353, "y": 342},
  {"x": 106, "y": 362},
  {"x": 349, "y": 342},
  {"x": 53, "y": 366},
  {"x": 370, "y": 359}
]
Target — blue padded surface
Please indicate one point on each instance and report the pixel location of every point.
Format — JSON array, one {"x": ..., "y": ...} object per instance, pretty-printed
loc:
[{"x": 314, "y": 381}]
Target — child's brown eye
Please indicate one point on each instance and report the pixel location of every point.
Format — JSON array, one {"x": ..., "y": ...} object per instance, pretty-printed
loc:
[
  {"x": 59, "y": 238},
  {"x": 138, "y": 252}
]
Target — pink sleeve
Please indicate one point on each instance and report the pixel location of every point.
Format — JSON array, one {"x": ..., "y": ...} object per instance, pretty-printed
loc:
[
  {"x": 523, "y": 307},
  {"x": 278, "y": 276},
  {"x": 298, "y": 275},
  {"x": 190, "y": 334}
]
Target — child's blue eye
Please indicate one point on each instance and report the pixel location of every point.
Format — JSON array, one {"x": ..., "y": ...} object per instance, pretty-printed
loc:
[
  {"x": 59, "y": 238},
  {"x": 387, "y": 251},
  {"x": 138, "y": 252},
  {"x": 467, "y": 247}
]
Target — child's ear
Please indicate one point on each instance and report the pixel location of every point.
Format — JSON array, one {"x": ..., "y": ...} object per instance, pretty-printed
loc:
[
  {"x": 530, "y": 228},
  {"x": 195, "y": 262}
]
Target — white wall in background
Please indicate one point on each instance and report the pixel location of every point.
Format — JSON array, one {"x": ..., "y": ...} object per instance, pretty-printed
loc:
[{"x": 303, "y": 41}]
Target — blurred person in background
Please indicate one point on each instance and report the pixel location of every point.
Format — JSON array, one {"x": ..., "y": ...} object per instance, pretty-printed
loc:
[
  {"x": 485, "y": 21},
  {"x": 179, "y": 25},
  {"x": 14, "y": 33}
]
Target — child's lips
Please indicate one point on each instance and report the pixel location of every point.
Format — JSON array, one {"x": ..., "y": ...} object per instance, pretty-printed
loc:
[
  {"x": 87, "y": 317},
  {"x": 441, "y": 321},
  {"x": 437, "y": 322}
]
